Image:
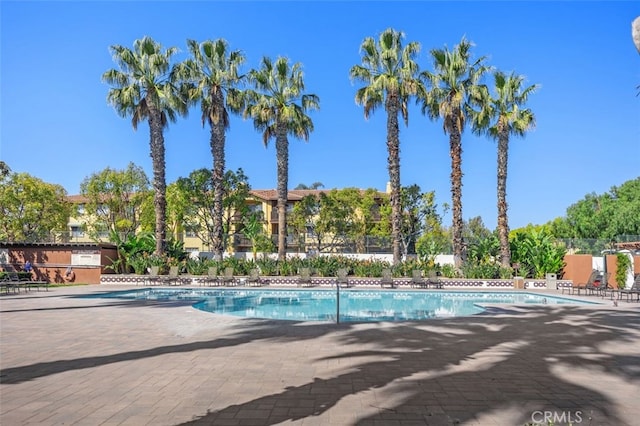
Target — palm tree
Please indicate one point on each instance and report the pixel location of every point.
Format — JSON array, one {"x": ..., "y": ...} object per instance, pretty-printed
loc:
[
  {"x": 146, "y": 88},
  {"x": 501, "y": 117},
  {"x": 275, "y": 111},
  {"x": 451, "y": 84},
  {"x": 390, "y": 73},
  {"x": 213, "y": 72}
]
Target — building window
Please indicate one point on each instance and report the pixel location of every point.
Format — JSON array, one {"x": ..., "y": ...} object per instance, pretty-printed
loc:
[
  {"x": 311, "y": 232},
  {"x": 77, "y": 232},
  {"x": 255, "y": 208}
]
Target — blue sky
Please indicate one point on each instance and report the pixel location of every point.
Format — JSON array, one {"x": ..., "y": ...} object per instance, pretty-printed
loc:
[{"x": 56, "y": 124}]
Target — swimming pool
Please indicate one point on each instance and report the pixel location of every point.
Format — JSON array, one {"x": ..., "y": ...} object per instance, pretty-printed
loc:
[{"x": 354, "y": 305}]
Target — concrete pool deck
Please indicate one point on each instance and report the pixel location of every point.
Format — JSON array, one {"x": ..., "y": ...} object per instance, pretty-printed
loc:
[{"x": 79, "y": 361}]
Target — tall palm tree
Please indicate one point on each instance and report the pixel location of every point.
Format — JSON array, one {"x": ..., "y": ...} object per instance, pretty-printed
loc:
[
  {"x": 500, "y": 117},
  {"x": 213, "y": 71},
  {"x": 279, "y": 108},
  {"x": 145, "y": 87},
  {"x": 390, "y": 74},
  {"x": 454, "y": 79}
]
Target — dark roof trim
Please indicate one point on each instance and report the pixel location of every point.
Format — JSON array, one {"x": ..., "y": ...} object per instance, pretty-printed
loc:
[{"x": 12, "y": 244}]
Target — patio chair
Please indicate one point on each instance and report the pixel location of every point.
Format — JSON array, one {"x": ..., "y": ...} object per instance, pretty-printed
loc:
[
  {"x": 583, "y": 286},
  {"x": 387, "y": 279},
  {"x": 304, "y": 280},
  {"x": 635, "y": 289},
  {"x": 173, "y": 277},
  {"x": 342, "y": 280},
  {"x": 608, "y": 288},
  {"x": 211, "y": 279},
  {"x": 28, "y": 283},
  {"x": 433, "y": 280},
  {"x": 15, "y": 281},
  {"x": 599, "y": 285},
  {"x": 228, "y": 279},
  {"x": 417, "y": 280},
  {"x": 254, "y": 278},
  {"x": 7, "y": 283},
  {"x": 154, "y": 276}
]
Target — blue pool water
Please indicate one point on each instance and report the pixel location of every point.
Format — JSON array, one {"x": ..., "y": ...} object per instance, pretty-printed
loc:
[{"x": 355, "y": 305}]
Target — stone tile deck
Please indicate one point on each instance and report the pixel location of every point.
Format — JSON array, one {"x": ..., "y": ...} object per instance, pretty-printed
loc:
[{"x": 67, "y": 360}]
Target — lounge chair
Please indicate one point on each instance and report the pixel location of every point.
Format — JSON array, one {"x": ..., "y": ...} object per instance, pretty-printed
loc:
[
  {"x": 583, "y": 286},
  {"x": 635, "y": 289},
  {"x": 387, "y": 279},
  {"x": 10, "y": 283},
  {"x": 599, "y": 285},
  {"x": 304, "y": 280},
  {"x": 228, "y": 279},
  {"x": 608, "y": 288},
  {"x": 417, "y": 280},
  {"x": 254, "y": 278},
  {"x": 16, "y": 281},
  {"x": 173, "y": 277},
  {"x": 154, "y": 276},
  {"x": 433, "y": 280},
  {"x": 211, "y": 279},
  {"x": 341, "y": 278}
]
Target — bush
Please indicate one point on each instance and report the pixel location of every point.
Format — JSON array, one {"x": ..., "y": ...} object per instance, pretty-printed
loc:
[{"x": 622, "y": 269}]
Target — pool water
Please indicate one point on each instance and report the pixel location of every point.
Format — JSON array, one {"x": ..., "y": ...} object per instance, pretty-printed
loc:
[{"x": 355, "y": 305}]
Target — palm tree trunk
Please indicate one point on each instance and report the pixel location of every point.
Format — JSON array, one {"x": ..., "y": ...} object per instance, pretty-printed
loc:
[
  {"x": 503, "y": 224},
  {"x": 455, "y": 150},
  {"x": 217, "y": 151},
  {"x": 159, "y": 184},
  {"x": 282, "y": 159},
  {"x": 393, "y": 164}
]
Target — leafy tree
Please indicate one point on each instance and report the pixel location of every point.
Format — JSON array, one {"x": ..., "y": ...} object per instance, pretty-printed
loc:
[
  {"x": 253, "y": 229},
  {"x": 31, "y": 209},
  {"x": 474, "y": 230},
  {"x": 4, "y": 170},
  {"x": 450, "y": 86},
  {"x": 390, "y": 74},
  {"x": 145, "y": 87},
  {"x": 279, "y": 108},
  {"x": 178, "y": 208},
  {"x": 214, "y": 71},
  {"x": 417, "y": 209},
  {"x": 603, "y": 216},
  {"x": 197, "y": 212},
  {"x": 537, "y": 252},
  {"x": 500, "y": 117},
  {"x": 328, "y": 217},
  {"x": 234, "y": 200},
  {"x": 114, "y": 200},
  {"x": 434, "y": 239},
  {"x": 360, "y": 217},
  {"x": 338, "y": 218},
  {"x": 304, "y": 214}
]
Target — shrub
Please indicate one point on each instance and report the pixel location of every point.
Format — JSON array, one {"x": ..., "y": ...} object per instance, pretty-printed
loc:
[{"x": 623, "y": 268}]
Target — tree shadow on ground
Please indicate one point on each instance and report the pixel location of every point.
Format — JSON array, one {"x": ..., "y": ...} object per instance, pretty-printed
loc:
[
  {"x": 432, "y": 372},
  {"x": 251, "y": 330},
  {"x": 469, "y": 369}
]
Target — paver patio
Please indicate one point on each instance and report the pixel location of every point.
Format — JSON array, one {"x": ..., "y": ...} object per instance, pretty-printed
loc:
[{"x": 78, "y": 361}]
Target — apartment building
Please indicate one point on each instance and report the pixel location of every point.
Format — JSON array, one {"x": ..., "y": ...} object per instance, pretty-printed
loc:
[{"x": 261, "y": 200}]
